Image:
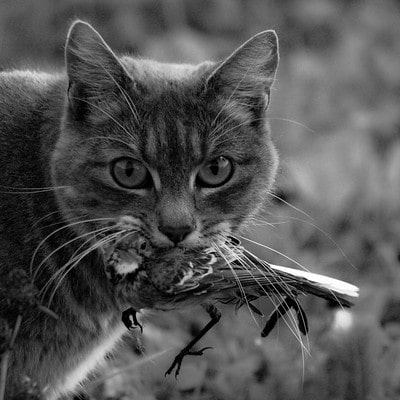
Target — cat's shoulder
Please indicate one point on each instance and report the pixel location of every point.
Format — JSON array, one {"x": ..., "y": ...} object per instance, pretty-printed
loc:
[
  {"x": 25, "y": 92},
  {"x": 25, "y": 82}
]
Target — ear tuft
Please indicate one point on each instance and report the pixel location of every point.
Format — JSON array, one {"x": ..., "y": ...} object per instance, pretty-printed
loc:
[
  {"x": 89, "y": 60},
  {"x": 94, "y": 71},
  {"x": 248, "y": 72}
]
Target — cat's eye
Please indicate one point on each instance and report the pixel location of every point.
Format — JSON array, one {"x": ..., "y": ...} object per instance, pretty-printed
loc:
[
  {"x": 215, "y": 172},
  {"x": 130, "y": 173}
]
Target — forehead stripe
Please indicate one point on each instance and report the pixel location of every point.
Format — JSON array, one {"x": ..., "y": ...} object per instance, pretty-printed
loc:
[
  {"x": 181, "y": 140},
  {"x": 151, "y": 143}
]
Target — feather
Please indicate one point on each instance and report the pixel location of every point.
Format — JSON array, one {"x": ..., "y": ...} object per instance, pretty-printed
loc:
[
  {"x": 334, "y": 285},
  {"x": 319, "y": 285},
  {"x": 223, "y": 276},
  {"x": 227, "y": 274}
]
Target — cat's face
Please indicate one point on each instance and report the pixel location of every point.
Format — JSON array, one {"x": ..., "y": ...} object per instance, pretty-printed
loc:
[{"x": 179, "y": 154}]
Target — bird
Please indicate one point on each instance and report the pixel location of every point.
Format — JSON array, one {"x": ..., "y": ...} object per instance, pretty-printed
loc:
[{"x": 228, "y": 273}]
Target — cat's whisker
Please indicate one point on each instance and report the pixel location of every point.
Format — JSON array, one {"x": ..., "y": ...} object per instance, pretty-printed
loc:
[
  {"x": 63, "y": 221},
  {"x": 101, "y": 230},
  {"x": 36, "y": 223},
  {"x": 237, "y": 278},
  {"x": 129, "y": 232},
  {"x": 288, "y": 258},
  {"x": 235, "y": 89},
  {"x": 290, "y": 319},
  {"x": 69, "y": 225},
  {"x": 224, "y": 133},
  {"x": 108, "y": 138},
  {"x": 104, "y": 240},
  {"x": 276, "y": 252},
  {"x": 326, "y": 234},
  {"x": 293, "y": 122},
  {"x": 77, "y": 252},
  {"x": 254, "y": 224},
  {"x": 31, "y": 190},
  {"x": 73, "y": 262},
  {"x": 125, "y": 95},
  {"x": 49, "y": 282},
  {"x": 230, "y": 116},
  {"x": 261, "y": 222},
  {"x": 284, "y": 285},
  {"x": 118, "y": 123},
  {"x": 291, "y": 322},
  {"x": 240, "y": 286},
  {"x": 249, "y": 266},
  {"x": 218, "y": 128},
  {"x": 290, "y": 205},
  {"x": 292, "y": 326}
]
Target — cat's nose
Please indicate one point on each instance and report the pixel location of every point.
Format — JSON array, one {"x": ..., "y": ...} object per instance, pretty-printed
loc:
[{"x": 176, "y": 233}]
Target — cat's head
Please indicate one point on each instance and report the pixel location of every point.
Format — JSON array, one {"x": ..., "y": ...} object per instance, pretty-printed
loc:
[{"x": 179, "y": 153}]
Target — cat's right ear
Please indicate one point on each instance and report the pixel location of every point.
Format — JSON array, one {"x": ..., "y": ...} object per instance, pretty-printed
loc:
[{"x": 93, "y": 69}]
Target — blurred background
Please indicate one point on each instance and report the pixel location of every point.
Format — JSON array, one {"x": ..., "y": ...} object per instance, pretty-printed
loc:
[{"x": 336, "y": 122}]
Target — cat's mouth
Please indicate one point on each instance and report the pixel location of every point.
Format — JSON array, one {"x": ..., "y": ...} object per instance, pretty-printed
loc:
[
  {"x": 125, "y": 257},
  {"x": 127, "y": 250}
]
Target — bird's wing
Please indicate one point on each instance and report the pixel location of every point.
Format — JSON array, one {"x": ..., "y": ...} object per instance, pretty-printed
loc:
[{"x": 257, "y": 277}]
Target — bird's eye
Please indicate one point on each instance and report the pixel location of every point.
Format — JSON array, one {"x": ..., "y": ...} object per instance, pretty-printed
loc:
[
  {"x": 215, "y": 172},
  {"x": 130, "y": 173}
]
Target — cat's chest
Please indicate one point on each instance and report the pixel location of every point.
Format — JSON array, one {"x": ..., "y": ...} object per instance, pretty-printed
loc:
[{"x": 93, "y": 358}]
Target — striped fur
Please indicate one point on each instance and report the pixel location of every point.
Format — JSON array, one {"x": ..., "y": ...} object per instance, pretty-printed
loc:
[{"x": 59, "y": 135}]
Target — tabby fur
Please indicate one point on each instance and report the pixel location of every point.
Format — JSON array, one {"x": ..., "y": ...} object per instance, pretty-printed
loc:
[{"x": 59, "y": 134}]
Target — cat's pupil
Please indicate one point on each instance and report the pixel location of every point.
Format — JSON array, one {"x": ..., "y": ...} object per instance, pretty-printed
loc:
[
  {"x": 215, "y": 173},
  {"x": 129, "y": 169},
  {"x": 214, "y": 169},
  {"x": 130, "y": 173}
]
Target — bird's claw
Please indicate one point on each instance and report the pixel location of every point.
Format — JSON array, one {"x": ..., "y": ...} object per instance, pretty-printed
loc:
[
  {"x": 130, "y": 320},
  {"x": 179, "y": 358}
]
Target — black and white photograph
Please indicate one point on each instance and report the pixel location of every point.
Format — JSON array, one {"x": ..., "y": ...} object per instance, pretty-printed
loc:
[{"x": 200, "y": 200}]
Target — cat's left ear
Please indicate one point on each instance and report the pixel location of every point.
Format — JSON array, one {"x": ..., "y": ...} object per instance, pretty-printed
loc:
[
  {"x": 247, "y": 75},
  {"x": 93, "y": 69}
]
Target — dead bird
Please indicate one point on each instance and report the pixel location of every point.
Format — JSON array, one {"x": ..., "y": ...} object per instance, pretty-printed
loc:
[{"x": 174, "y": 278}]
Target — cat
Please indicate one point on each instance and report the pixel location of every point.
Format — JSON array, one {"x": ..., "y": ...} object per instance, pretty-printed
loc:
[{"x": 177, "y": 153}]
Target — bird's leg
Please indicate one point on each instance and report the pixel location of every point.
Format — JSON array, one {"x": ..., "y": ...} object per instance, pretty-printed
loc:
[
  {"x": 287, "y": 303},
  {"x": 130, "y": 320},
  {"x": 215, "y": 315},
  {"x": 279, "y": 312},
  {"x": 302, "y": 321}
]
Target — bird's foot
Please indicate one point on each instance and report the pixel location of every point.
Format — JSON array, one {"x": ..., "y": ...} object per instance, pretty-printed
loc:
[
  {"x": 130, "y": 320},
  {"x": 177, "y": 363}
]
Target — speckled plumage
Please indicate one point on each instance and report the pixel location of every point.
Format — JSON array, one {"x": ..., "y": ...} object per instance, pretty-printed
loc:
[
  {"x": 175, "y": 278},
  {"x": 180, "y": 277}
]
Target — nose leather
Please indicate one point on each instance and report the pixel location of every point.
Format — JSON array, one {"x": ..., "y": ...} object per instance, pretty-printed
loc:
[{"x": 176, "y": 233}]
